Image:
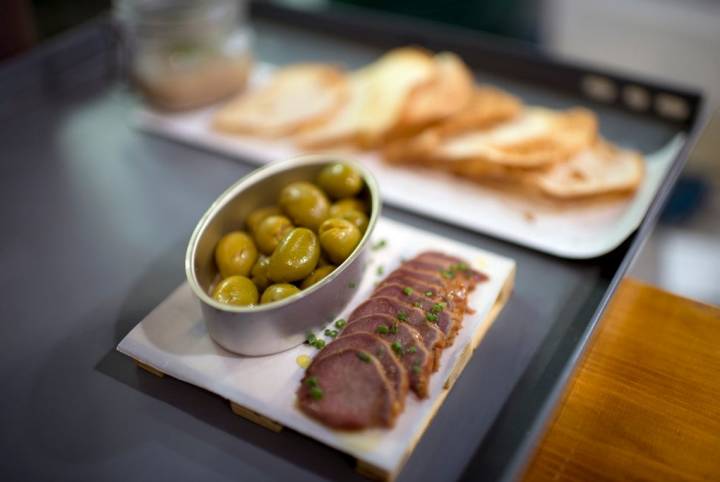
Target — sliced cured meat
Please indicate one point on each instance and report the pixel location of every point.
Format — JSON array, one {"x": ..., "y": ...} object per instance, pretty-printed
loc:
[
  {"x": 347, "y": 390},
  {"x": 391, "y": 341},
  {"x": 433, "y": 337},
  {"x": 416, "y": 359},
  {"x": 380, "y": 349},
  {"x": 433, "y": 278},
  {"x": 418, "y": 293},
  {"x": 419, "y": 285},
  {"x": 438, "y": 310},
  {"x": 453, "y": 263}
]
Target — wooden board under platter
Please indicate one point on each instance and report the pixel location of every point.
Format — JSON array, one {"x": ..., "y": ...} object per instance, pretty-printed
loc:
[{"x": 172, "y": 340}]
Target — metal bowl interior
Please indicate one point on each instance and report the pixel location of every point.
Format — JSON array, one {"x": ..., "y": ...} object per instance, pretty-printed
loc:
[{"x": 261, "y": 188}]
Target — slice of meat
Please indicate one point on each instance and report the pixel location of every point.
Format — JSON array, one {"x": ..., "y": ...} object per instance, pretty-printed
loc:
[
  {"x": 444, "y": 261},
  {"x": 380, "y": 349},
  {"x": 412, "y": 298},
  {"x": 347, "y": 390},
  {"x": 433, "y": 278},
  {"x": 416, "y": 359},
  {"x": 433, "y": 337}
]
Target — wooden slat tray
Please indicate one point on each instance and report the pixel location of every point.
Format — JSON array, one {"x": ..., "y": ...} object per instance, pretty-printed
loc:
[{"x": 172, "y": 340}]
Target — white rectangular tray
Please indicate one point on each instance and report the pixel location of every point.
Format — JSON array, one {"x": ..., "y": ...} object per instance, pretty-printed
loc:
[
  {"x": 173, "y": 340},
  {"x": 583, "y": 230}
]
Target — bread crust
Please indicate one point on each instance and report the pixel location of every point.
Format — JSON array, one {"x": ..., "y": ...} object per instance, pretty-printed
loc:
[{"x": 281, "y": 108}]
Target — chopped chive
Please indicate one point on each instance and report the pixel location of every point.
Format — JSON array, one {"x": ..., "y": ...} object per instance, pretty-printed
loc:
[
  {"x": 380, "y": 270},
  {"x": 394, "y": 328},
  {"x": 437, "y": 307},
  {"x": 319, "y": 344},
  {"x": 340, "y": 323},
  {"x": 417, "y": 304},
  {"x": 311, "y": 382},
  {"x": 428, "y": 293},
  {"x": 363, "y": 356},
  {"x": 397, "y": 348},
  {"x": 412, "y": 349},
  {"x": 311, "y": 338},
  {"x": 432, "y": 317},
  {"x": 402, "y": 316},
  {"x": 463, "y": 267},
  {"x": 379, "y": 245},
  {"x": 331, "y": 333},
  {"x": 352, "y": 285},
  {"x": 416, "y": 369},
  {"x": 407, "y": 291},
  {"x": 448, "y": 273},
  {"x": 383, "y": 330},
  {"x": 327, "y": 332},
  {"x": 316, "y": 393}
]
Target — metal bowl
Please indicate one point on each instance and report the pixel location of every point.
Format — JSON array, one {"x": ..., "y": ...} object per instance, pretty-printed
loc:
[{"x": 275, "y": 327}]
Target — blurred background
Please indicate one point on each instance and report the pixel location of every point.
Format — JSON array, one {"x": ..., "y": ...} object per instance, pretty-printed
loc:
[{"x": 672, "y": 40}]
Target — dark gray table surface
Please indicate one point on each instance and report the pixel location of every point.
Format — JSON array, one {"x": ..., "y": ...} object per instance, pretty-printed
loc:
[{"x": 95, "y": 217}]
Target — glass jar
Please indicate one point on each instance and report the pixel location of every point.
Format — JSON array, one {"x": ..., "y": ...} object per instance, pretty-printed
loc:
[{"x": 185, "y": 53}]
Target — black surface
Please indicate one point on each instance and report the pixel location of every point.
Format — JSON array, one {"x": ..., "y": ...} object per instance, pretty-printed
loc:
[{"x": 95, "y": 218}]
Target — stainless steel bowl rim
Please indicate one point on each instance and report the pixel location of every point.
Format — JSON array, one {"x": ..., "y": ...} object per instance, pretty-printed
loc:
[{"x": 251, "y": 179}]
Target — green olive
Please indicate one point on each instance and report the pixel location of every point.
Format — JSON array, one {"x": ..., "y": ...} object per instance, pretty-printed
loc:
[
  {"x": 235, "y": 254},
  {"x": 347, "y": 204},
  {"x": 236, "y": 290},
  {"x": 339, "y": 181},
  {"x": 359, "y": 219},
  {"x": 270, "y": 232},
  {"x": 304, "y": 203},
  {"x": 278, "y": 292},
  {"x": 256, "y": 217},
  {"x": 338, "y": 238},
  {"x": 258, "y": 275},
  {"x": 319, "y": 273},
  {"x": 295, "y": 257}
]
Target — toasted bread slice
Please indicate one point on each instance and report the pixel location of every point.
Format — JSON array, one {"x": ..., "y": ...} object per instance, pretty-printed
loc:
[
  {"x": 449, "y": 92},
  {"x": 487, "y": 106},
  {"x": 537, "y": 137},
  {"x": 600, "y": 169},
  {"x": 378, "y": 93},
  {"x": 297, "y": 97}
]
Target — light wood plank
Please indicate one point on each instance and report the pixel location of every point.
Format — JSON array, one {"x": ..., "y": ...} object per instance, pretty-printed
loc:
[{"x": 645, "y": 403}]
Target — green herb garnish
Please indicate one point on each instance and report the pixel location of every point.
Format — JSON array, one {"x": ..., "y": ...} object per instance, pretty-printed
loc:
[
  {"x": 407, "y": 291},
  {"x": 402, "y": 316},
  {"x": 316, "y": 393},
  {"x": 383, "y": 330},
  {"x": 340, "y": 323},
  {"x": 428, "y": 293},
  {"x": 394, "y": 328},
  {"x": 363, "y": 356},
  {"x": 412, "y": 349},
  {"x": 352, "y": 285},
  {"x": 417, "y": 304},
  {"x": 311, "y": 338},
  {"x": 432, "y": 317},
  {"x": 449, "y": 273},
  {"x": 331, "y": 333},
  {"x": 379, "y": 245},
  {"x": 319, "y": 344},
  {"x": 416, "y": 369},
  {"x": 437, "y": 307},
  {"x": 397, "y": 348},
  {"x": 311, "y": 382},
  {"x": 380, "y": 270}
]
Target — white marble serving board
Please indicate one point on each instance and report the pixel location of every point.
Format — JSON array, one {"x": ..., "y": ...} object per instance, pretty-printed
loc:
[
  {"x": 578, "y": 230},
  {"x": 174, "y": 340}
]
